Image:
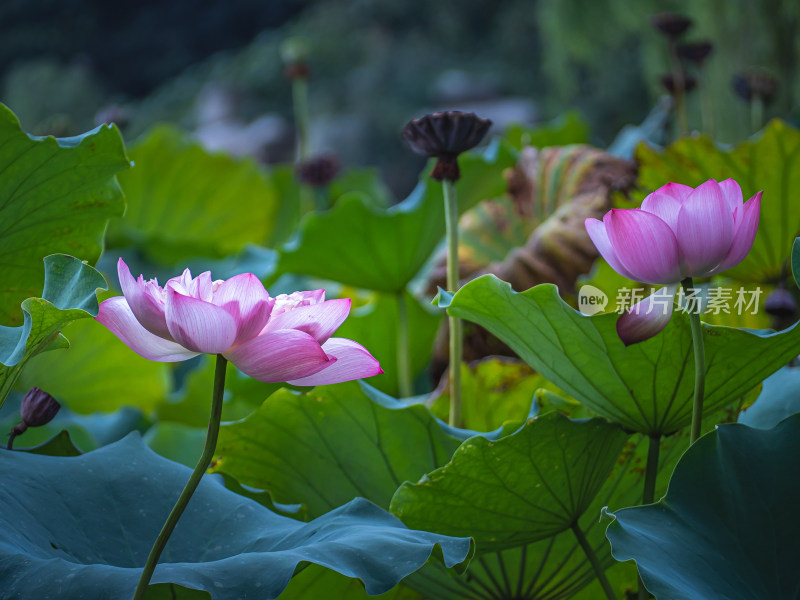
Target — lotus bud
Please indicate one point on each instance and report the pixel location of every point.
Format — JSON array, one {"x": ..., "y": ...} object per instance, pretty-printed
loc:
[
  {"x": 445, "y": 135},
  {"x": 38, "y": 408}
]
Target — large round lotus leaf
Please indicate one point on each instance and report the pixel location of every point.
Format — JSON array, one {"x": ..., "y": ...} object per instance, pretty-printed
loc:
[
  {"x": 81, "y": 528},
  {"x": 56, "y": 195},
  {"x": 334, "y": 443},
  {"x": 779, "y": 398},
  {"x": 728, "y": 527},
  {"x": 521, "y": 488},
  {"x": 185, "y": 202},
  {"x": 365, "y": 246},
  {"x": 647, "y": 387}
]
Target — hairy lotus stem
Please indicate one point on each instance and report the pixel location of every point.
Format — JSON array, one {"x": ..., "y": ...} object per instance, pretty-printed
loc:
[
  {"x": 699, "y": 364},
  {"x": 649, "y": 494},
  {"x": 598, "y": 568},
  {"x": 404, "y": 384},
  {"x": 456, "y": 333},
  {"x": 194, "y": 480}
]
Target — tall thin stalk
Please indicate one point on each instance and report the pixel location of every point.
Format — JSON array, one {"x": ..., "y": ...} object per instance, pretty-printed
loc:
[
  {"x": 191, "y": 485},
  {"x": 598, "y": 568},
  {"x": 699, "y": 364},
  {"x": 404, "y": 383},
  {"x": 456, "y": 331},
  {"x": 649, "y": 494}
]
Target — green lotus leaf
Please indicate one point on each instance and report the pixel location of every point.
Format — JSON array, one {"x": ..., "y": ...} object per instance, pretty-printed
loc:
[
  {"x": 521, "y": 488},
  {"x": 770, "y": 161},
  {"x": 728, "y": 526},
  {"x": 359, "y": 244},
  {"x": 185, "y": 202},
  {"x": 569, "y": 128},
  {"x": 323, "y": 448},
  {"x": 56, "y": 195},
  {"x": 647, "y": 387},
  {"x": 81, "y": 527},
  {"x": 317, "y": 582},
  {"x": 98, "y": 373},
  {"x": 69, "y": 293}
]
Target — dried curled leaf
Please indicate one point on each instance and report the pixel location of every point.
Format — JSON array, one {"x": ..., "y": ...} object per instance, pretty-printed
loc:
[{"x": 536, "y": 234}]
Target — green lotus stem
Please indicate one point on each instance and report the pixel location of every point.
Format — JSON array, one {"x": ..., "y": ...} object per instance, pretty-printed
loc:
[
  {"x": 679, "y": 92},
  {"x": 756, "y": 113},
  {"x": 301, "y": 115},
  {"x": 651, "y": 470},
  {"x": 649, "y": 494},
  {"x": 194, "y": 480},
  {"x": 456, "y": 332},
  {"x": 598, "y": 569},
  {"x": 403, "y": 364},
  {"x": 322, "y": 199},
  {"x": 699, "y": 365}
]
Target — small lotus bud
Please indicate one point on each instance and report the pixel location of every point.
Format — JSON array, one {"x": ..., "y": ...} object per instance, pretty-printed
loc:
[
  {"x": 781, "y": 303},
  {"x": 318, "y": 171},
  {"x": 696, "y": 52},
  {"x": 668, "y": 82},
  {"x": 748, "y": 84},
  {"x": 671, "y": 25},
  {"x": 38, "y": 408},
  {"x": 445, "y": 135}
]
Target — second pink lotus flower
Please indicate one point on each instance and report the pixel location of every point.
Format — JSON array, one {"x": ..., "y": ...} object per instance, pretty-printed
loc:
[
  {"x": 286, "y": 338},
  {"x": 679, "y": 232}
]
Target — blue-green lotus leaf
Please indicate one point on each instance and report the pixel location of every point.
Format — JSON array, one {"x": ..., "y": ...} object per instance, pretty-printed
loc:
[
  {"x": 728, "y": 526},
  {"x": 81, "y": 528}
]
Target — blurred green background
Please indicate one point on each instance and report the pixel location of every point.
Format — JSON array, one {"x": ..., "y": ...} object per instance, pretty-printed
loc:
[{"x": 216, "y": 70}]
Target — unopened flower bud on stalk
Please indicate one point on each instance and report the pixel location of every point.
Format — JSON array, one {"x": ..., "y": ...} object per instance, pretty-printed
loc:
[
  {"x": 445, "y": 135},
  {"x": 38, "y": 408}
]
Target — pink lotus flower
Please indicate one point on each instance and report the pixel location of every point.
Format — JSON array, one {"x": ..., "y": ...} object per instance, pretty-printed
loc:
[
  {"x": 286, "y": 338},
  {"x": 679, "y": 232}
]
